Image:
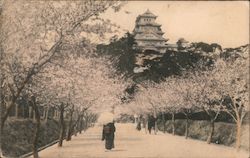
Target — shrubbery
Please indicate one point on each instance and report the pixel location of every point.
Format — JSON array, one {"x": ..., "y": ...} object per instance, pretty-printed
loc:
[
  {"x": 18, "y": 136},
  {"x": 224, "y": 132}
]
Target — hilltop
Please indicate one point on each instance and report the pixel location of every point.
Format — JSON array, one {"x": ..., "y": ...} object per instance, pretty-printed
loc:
[{"x": 149, "y": 65}]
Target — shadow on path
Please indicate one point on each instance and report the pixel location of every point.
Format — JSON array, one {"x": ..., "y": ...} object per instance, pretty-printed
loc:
[{"x": 116, "y": 150}]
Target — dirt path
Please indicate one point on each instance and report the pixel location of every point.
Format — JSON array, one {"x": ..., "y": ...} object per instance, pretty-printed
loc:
[{"x": 130, "y": 143}]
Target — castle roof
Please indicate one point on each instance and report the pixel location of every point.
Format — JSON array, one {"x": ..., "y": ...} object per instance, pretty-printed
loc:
[
  {"x": 149, "y": 24},
  {"x": 172, "y": 46},
  {"x": 182, "y": 40},
  {"x": 149, "y": 36},
  {"x": 148, "y": 13},
  {"x": 141, "y": 31}
]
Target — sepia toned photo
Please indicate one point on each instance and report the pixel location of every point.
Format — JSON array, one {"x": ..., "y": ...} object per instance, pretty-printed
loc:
[{"x": 124, "y": 79}]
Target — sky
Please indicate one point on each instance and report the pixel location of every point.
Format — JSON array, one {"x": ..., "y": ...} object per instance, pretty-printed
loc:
[{"x": 222, "y": 22}]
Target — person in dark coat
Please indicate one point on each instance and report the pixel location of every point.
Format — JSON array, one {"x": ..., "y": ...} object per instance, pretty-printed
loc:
[
  {"x": 138, "y": 126},
  {"x": 151, "y": 123},
  {"x": 108, "y": 134}
]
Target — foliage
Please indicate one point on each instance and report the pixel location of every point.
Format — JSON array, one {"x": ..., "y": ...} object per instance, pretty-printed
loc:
[
  {"x": 37, "y": 34},
  {"x": 121, "y": 52}
]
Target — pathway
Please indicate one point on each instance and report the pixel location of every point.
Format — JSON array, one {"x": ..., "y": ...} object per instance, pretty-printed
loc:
[{"x": 130, "y": 143}]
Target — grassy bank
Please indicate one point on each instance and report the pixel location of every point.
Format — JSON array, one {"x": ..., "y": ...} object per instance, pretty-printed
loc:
[
  {"x": 18, "y": 135},
  {"x": 224, "y": 133}
]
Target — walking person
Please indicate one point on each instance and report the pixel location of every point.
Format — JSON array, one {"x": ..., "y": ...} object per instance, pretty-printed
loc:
[
  {"x": 138, "y": 126},
  {"x": 108, "y": 134},
  {"x": 151, "y": 124},
  {"x": 149, "y": 128}
]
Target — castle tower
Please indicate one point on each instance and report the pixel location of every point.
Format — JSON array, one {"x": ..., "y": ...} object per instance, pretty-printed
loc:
[{"x": 148, "y": 34}]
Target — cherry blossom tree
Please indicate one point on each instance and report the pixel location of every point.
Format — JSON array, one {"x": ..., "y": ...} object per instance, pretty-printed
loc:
[
  {"x": 205, "y": 96},
  {"x": 153, "y": 99},
  {"x": 169, "y": 99},
  {"x": 233, "y": 85},
  {"x": 146, "y": 103},
  {"x": 223, "y": 87},
  {"x": 184, "y": 91},
  {"x": 108, "y": 89},
  {"x": 38, "y": 33}
]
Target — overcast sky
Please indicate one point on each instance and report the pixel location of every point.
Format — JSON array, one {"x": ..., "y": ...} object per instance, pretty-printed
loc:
[{"x": 225, "y": 23}]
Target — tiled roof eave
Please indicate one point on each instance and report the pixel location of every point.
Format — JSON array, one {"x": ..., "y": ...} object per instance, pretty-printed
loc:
[
  {"x": 161, "y": 46},
  {"x": 137, "y": 31},
  {"x": 148, "y": 16},
  {"x": 150, "y": 24},
  {"x": 146, "y": 39},
  {"x": 152, "y": 46}
]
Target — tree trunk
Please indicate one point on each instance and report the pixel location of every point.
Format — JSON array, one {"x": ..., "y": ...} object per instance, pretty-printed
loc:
[
  {"x": 211, "y": 131},
  {"x": 2, "y": 105},
  {"x": 30, "y": 112},
  {"x": 164, "y": 123},
  {"x": 34, "y": 115},
  {"x": 81, "y": 125},
  {"x": 54, "y": 113},
  {"x": 4, "y": 117},
  {"x": 146, "y": 124},
  {"x": 238, "y": 135},
  {"x": 76, "y": 126},
  {"x": 16, "y": 110},
  {"x": 156, "y": 127},
  {"x": 12, "y": 103},
  {"x": 62, "y": 130},
  {"x": 44, "y": 112},
  {"x": 75, "y": 130},
  {"x": 47, "y": 114},
  {"x": 23, "y": 111},
  {"x": 86, "y": 123},
  {"x": 187, "y": 126},
  {"x": 173, "y": 124},
  {"x": 69, "y": 130},
  {"x": 1, "y": 138},
  {"x": 155, "y": 119},
  {"x": 37, "y": 127}
]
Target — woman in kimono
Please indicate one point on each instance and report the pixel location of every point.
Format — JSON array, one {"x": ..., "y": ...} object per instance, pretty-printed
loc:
[{"x": 108, "y": 134}]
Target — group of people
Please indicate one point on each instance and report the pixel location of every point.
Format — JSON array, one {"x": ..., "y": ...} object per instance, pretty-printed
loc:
[
  {"x": 151, "y": 120},
  {"x": 151, "y": 123}
]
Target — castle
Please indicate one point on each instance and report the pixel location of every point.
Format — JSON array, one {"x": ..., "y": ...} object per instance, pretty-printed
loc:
[
  {"x": 150, "y": 41},
  {"x": 148, "y": 34}
]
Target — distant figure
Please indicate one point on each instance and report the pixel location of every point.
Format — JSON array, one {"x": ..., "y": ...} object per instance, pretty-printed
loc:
[
  {"x": 138, "y": 126},
  {"x": 144, "y": 123},
  {"x": 151, "y": 123},
  {"x": 108, "y": 134}
]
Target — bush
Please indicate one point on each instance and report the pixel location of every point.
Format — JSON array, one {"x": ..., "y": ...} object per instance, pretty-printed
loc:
[
  {"x": 224, "y": 133},
  {"x": 18, "y": 135}
]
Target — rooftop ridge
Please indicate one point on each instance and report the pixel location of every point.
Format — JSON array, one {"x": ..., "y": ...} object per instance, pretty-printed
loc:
[{"x": 148, "y": 13}]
